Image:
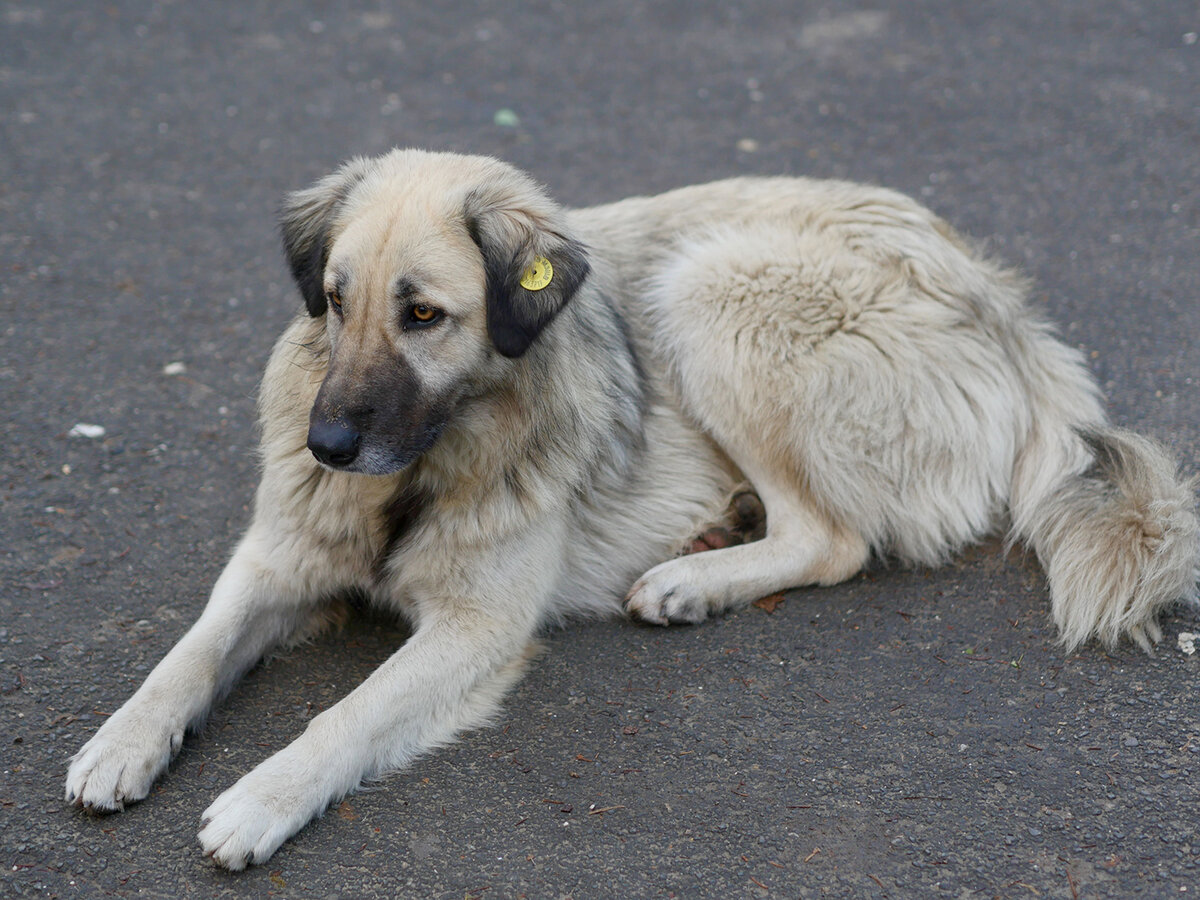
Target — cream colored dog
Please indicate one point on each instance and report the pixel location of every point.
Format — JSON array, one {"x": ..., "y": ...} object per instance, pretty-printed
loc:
[{"x": 496, "y": 413}]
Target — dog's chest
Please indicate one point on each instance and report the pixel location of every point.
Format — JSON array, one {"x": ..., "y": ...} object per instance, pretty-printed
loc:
[{"x": 340, "y": 521}]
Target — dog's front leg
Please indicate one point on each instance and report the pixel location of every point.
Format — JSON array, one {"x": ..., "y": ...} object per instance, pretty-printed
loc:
[
  {"x": 252, "y": 608},
  {"x": 450, "y": 675}
]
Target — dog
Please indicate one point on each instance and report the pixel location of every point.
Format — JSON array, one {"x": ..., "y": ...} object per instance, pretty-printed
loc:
[{"x": 495, "y": 413}]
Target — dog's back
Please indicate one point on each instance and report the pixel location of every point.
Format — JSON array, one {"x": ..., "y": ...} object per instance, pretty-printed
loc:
[{"x": 848, "y": 342}]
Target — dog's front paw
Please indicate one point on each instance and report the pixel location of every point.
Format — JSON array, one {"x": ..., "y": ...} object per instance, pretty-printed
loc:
[
  {"x": 664, "y": 596},
  {"x": 239, "y": 829},
  {"x": 119, "y": 764},
  {"x": 249, "y": 822}
]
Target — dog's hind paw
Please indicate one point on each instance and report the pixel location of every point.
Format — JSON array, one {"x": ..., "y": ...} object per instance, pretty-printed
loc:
[
  {"x": 744, "y": 522},
  {"x": 663, "y": 597},
  {"x": 119, "y": 764}
]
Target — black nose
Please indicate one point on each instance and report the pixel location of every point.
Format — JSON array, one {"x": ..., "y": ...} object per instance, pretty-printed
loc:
[{"x": 333, "y": 443}]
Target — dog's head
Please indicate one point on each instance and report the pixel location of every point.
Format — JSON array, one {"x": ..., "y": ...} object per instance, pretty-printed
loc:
[{"x": 433, "y": 273}]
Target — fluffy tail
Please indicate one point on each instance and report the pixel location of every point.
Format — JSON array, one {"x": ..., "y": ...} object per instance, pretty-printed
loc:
[{"x": 1114, "y": 526}]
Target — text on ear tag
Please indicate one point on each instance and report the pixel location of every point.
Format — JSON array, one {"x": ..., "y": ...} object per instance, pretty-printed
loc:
[{"x": 538, "y": 275}]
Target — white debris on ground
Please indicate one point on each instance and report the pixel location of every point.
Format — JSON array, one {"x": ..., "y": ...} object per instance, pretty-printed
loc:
[
  {"x": 174, "y": 368},
  {"x": 1187, "y": 642},
  {"x": 84, "y": 430}
]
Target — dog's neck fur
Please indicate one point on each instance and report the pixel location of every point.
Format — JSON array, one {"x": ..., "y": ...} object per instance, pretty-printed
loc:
[{"x": 456, "y": 467}]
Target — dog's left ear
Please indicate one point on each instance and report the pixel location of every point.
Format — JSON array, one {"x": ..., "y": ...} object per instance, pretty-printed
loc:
[{"x": 519, "y": 230}]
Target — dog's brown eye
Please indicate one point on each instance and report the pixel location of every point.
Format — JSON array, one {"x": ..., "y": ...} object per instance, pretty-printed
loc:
[
  {"x": 421, "y": 315},
  {"x": 334, "y": 299}
]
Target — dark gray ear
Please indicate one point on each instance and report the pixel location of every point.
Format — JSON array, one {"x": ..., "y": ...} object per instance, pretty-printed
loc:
[
  {"x": 304, "y": 222},
  {"x": 510, "y": 239}
]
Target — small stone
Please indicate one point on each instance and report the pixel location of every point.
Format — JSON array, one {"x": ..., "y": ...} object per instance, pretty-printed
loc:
[{"x": 506, "y": 118}]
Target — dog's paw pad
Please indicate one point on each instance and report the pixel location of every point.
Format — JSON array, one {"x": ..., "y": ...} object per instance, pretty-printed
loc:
[
  {"x": 744, "y": 521},
  {"x": 716, "y": 537}
]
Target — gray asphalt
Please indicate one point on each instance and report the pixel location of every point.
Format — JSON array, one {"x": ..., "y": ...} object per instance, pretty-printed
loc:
[{"x": 907, "y": 734}]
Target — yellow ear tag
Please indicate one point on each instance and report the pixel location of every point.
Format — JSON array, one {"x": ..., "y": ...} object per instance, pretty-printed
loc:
[{"x": 538, "y": 275}]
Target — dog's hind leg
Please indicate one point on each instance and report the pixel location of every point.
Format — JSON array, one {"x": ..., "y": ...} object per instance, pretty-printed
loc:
[
  {"x": 802, "y": 546},
  {"x": 254, "y": 606}
]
